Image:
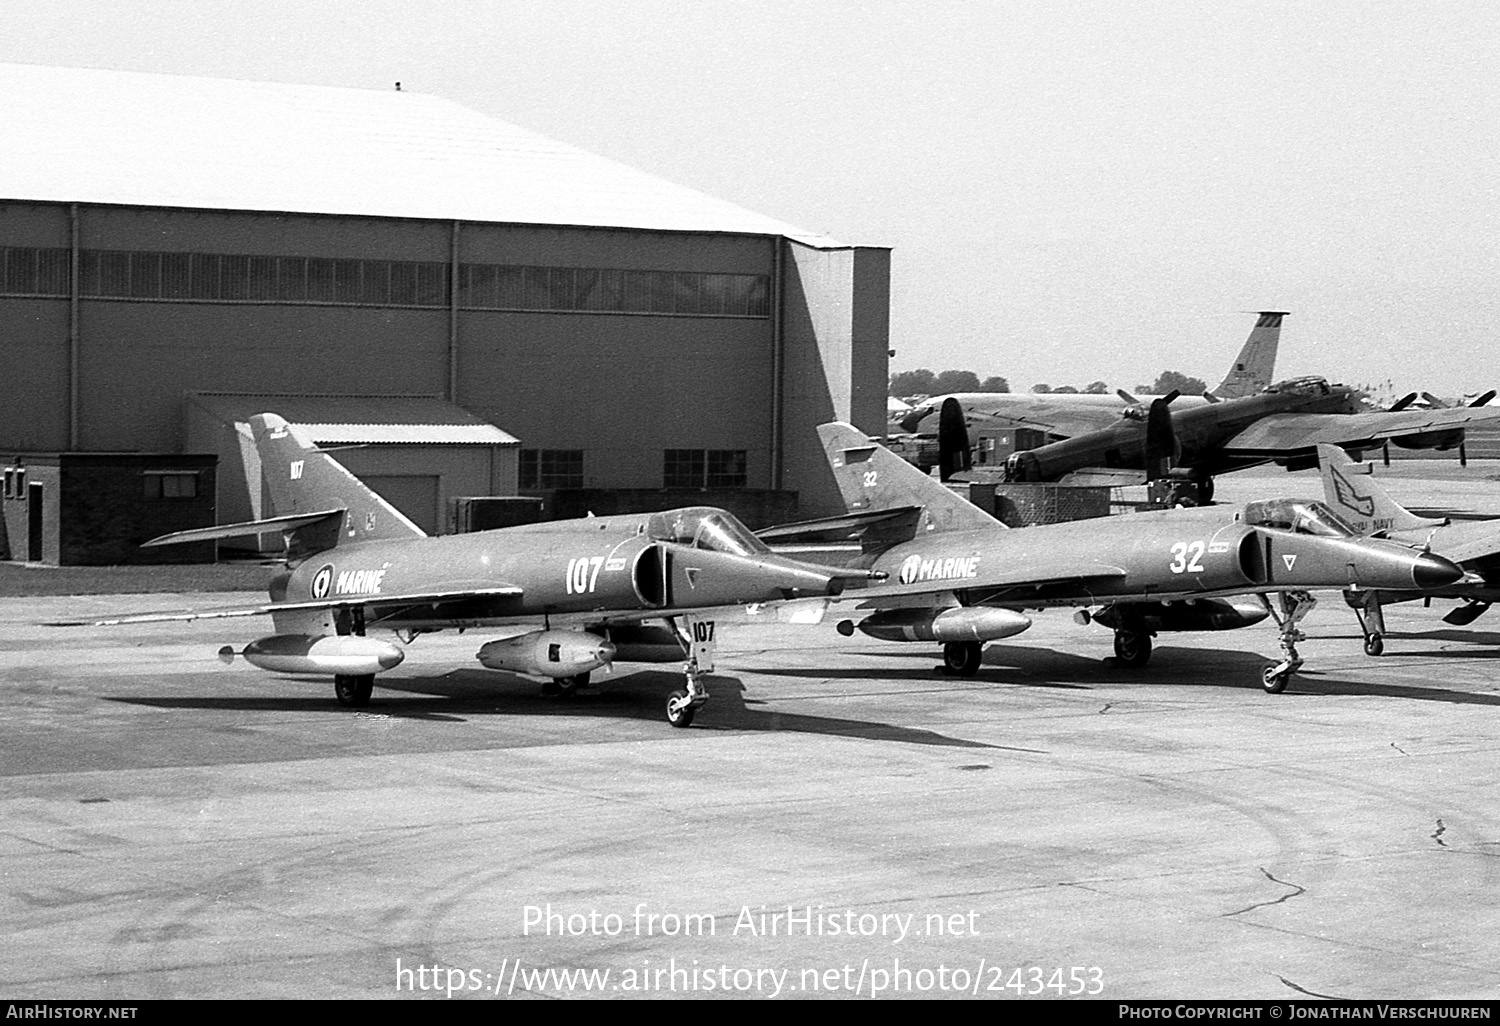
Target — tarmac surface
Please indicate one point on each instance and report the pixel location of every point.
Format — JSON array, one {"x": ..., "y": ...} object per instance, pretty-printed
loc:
[{"x": 171, "y": 827}]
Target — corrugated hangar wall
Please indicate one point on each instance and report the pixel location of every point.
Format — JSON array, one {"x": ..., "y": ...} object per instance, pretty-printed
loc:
[{"x": 622, "y": 387}]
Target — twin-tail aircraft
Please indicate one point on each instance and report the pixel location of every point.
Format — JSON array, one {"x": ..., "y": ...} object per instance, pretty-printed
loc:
[
  {"x": 958, "y": 576},
  {"x": 633, "y": 587},
  {"x": 1474, "y": 545}
]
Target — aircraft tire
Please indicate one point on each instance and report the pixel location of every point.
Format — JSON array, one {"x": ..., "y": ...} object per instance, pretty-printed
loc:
[
  {"x": 962, "y": 658},
  {"x": 1374, "y": 645},
  {"x": 353, "y": 690},
  {"x": 1132, "y": 648},
  {"x": 1274, "y": 683},
  {"x": 680, "y": 711}
]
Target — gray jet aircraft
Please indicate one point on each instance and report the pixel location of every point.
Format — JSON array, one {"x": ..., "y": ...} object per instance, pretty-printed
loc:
[
  {"x": 599, "y": 589},
  {"x": 1474, "y": 545},
  {"x": 957, "y": 576}
]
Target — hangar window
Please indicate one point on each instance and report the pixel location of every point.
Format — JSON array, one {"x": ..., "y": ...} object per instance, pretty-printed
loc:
[
  {"x": 243, "y": 278},
  {"x": 703, "y": 468},
  {"x": 170, "y": 484},
  {"x": 551, "y": 468},
  {"x": 25, "y": 271}
]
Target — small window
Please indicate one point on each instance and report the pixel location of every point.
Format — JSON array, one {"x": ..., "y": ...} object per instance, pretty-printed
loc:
[
  {"x": 551, "y": 468},
  {"x": 726, "y": 468},
  {"x": 170, "y": 485},
  {"x": 682, "y": 468},
  {"x": 10, "y": 481},
  {"x": 704, "y": 468}
]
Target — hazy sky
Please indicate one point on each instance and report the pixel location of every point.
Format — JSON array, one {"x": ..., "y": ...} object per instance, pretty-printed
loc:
[{"x": 1072, "y": 190}]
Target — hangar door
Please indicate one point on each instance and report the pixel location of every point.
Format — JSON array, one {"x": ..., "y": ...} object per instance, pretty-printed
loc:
[{"x": 416, "y": 495}]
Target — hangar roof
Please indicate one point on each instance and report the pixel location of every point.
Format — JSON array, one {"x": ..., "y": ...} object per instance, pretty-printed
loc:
[
  {"x": 362, "y": 419},
  {"x": 74, "y": 135}
]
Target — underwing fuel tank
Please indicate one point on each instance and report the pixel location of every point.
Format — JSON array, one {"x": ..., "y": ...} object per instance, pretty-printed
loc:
[
  {"x": 325, "y": 653},
  {"x": 548, "y": 653},
  {"x": 972, "y": 623},
  {"x": 1194, "y": 615}
]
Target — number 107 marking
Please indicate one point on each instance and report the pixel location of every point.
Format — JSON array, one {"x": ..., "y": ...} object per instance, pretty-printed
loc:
[{"x": 583, "y": 574}]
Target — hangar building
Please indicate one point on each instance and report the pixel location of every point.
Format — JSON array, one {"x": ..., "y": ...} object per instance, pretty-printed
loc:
[{"x": 166, "y": 238}]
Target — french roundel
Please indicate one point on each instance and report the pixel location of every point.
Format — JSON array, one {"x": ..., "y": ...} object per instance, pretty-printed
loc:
[
  {"x": 322, "y": 582},
  {"x": 909, "y": 569}
]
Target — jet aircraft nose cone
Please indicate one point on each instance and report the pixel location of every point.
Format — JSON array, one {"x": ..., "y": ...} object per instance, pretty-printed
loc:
[{"x": 1434, "y": 571}]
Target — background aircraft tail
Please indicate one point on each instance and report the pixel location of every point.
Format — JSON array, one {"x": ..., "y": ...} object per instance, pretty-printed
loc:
[
  {"x": 303, "y": 479},
  {"x": 1253, "y": 367},
  {"x": 871, "y": 477},
  {"x": 1353, "y": 493}
]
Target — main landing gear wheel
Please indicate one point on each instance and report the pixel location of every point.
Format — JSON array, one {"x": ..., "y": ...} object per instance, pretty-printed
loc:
[
  {"x": 680, "y": 709},
  {"x": 1374, "y": 645},
  {"x": 353, "y": 690},
  {"x": 962, "y": 658},
  {"x": 1132, "y": 648},
  {"x": 1274, "y": 680}
]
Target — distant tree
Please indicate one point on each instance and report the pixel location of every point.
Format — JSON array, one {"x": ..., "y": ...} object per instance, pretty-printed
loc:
[
  {"x": 1065, "y": 389},
  {"x": 1041, "y": 389},
  {"x": 1097, "y": 388},
  {"x": 955, "y": 381},
  {"x": 912, "y": 382},
  {"x": 1166, "y": 381},
  {"x": 994, "y": 383}
]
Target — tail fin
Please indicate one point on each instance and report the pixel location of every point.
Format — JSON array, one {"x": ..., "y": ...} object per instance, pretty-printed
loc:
[
  {"x": 871, "y": 477},
  {"x": 1253, "y": 368},
  {"x": 1354, "y": 495},
  {"x": 302, "y": 479}
]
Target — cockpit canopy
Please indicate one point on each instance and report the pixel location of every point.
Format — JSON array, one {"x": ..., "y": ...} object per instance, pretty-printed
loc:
[
  {"x": 1302, "y": 386},
  {"x": 705, "y": 527},
  {"x": 1302, "y": 516}
]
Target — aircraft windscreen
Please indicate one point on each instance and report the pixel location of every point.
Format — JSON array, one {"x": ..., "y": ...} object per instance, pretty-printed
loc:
[
  {"x": 1301, "y": 386},
  {"x": 707, "y": 528},
  {"x": 723, "y": 533},
  {"x": 1302, "y": 516}
]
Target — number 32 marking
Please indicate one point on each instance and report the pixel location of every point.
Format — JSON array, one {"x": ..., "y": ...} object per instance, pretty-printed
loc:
[{"x": 1187, "y": 556}]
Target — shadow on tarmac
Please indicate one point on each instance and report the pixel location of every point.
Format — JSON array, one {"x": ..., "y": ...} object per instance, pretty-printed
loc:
[
  {"x": 1019, "y": 666},
  {"x": 461, "y": 695}
]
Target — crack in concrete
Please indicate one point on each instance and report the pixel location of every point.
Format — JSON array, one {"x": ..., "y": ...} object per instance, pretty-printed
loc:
[
  {"x": 1296, "y": 890},
  {"x": 1309, "y": 993},
  {"x": 1438, "y": 834}
]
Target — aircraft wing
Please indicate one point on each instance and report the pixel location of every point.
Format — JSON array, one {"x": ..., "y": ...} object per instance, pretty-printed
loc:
[
  {"x": 286, "y": 523},
  {"x": 1472, "y": 544},
  {"x": 1035, "y": 412},
  {"x": 1285, "y": 434},
  {"x": 1017, "y": 574},
  {"x": 368, "y": 601},
  {"x": 849, "y": 522},
  {"x": 1103, "y": 477}
]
